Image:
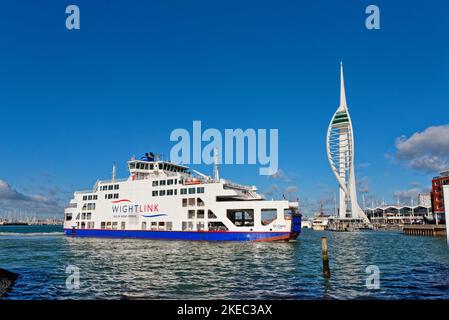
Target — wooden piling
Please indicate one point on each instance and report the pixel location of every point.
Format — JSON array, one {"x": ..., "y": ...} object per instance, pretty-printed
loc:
[{"x": 326, "y": 269}]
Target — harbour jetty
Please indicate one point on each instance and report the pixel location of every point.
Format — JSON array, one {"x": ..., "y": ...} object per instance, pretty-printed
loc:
[{"x": 430, "y": 230}]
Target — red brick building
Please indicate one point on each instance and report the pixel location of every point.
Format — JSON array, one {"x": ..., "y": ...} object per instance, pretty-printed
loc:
[{"x": 437, "y": 192}]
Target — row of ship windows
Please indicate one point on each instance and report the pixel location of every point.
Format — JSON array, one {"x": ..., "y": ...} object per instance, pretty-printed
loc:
[
  {"x": 168, "y": 182},
  {"x": 88, "y": 206},
  {"x": 83, "y": 216},
  {"x": 111, "y": 196},
  {"x": 157, "y": 226},
  {"x": 155, "y": 193},
  {"x": 110, "y": 187},
  {"x": 191, "y": 202},
  {"x": 199, "y": 214},
  {"x": 90, "y": 197},
  {"x": 171, "y": 192},
  {"x": 154, "y": 225}
]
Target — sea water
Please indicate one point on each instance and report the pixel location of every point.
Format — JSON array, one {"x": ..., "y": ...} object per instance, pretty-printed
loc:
[{"x": 409, "y": 267}]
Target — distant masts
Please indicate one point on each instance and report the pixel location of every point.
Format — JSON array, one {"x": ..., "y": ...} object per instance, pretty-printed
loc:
[
  {"x": 216, "y": 173},
  {"x": 114, "y": 170}
]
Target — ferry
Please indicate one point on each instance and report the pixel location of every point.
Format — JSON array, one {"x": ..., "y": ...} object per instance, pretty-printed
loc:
[{"x": 164, "y": 200}]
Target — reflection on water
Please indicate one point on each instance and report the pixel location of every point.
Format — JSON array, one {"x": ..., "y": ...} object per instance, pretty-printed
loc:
[{"x": 411, "y": 267}]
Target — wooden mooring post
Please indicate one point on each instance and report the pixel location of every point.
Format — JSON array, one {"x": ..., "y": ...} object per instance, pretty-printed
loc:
[{"x": 326, "y": 269}]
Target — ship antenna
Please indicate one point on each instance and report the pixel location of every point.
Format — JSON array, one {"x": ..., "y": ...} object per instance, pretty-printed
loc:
[
  {"x": 113, "y": 172},
  {"x": 216, "y": 173}
]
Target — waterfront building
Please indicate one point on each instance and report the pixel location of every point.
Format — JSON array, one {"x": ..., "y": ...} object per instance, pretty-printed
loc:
[
  {"x": 399, "y": 214},
  {"x": 340, "y": 153},
  {"x": 437, "y": 192}
]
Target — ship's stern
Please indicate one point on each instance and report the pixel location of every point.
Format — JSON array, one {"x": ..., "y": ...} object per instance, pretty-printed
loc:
[{"x": 295, "y": 229}]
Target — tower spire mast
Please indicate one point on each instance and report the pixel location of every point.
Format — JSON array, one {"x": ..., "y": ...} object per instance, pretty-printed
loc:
[{"x": 343, "y": 104}]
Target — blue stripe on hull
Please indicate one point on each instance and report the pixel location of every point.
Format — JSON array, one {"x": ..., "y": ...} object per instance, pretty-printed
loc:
[{"x": 182, "y": 235}]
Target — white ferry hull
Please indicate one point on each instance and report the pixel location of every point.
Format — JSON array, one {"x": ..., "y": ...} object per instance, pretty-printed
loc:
[{"x": 187, "y": 235}]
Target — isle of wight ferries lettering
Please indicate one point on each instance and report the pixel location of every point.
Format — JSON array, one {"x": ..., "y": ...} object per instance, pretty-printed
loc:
[{"x": 164, "y": 200}]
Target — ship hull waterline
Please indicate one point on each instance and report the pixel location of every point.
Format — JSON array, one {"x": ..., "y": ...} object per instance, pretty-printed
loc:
[{"x": 186, "y": 235}]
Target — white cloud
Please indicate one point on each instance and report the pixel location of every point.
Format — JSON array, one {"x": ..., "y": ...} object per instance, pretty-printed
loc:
[
  {"x": 407, "y": 195},
  {"x": 426, "y": 151},
  {"x": 272, "y": 191},
  {"x": 291, "y": 190},
  {"x": 280, "y": 175}
]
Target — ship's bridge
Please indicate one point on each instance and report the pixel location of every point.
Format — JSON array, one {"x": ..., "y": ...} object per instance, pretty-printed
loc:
[{"x": 151, "y": 165}]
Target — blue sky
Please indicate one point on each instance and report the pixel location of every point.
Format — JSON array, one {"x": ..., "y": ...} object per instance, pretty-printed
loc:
[{"x": 72, "y": 102}]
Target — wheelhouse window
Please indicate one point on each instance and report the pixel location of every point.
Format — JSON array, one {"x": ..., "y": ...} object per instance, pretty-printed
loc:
[
  {"x": 191, "y": 190},
  {"x": 155, "y": 183},
  {"x": 162, "y": 192},
  {"x": 183, "y": 191},
  {"x": 162, "y": 182},
  {"x": 155, "y": 193}
]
